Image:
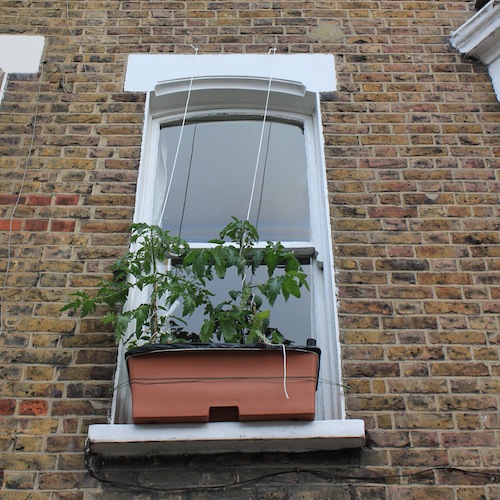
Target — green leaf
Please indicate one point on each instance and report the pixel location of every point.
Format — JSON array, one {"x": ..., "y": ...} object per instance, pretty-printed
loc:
[
  {"x": 189, "y": 258},
  {"x": 109, "y": 318},
  {"x": 189, "y": 305},
  {"x": 271, "y": 289},
  {"x": 258, "y": 258},
  {"x": 246, "y": 294},
  {"x": 227, "y": 328},
  {"x": 257, "y": 300},
  {"x": 290, "y": 287},
  {"x": 198, "y": 265},
  {"x": 272, "y": 260},
  {"x": 220, "y": 264},
  {"x": 121, "y": 324},
  {"x": 276, "y": 337},
  {"x": 207, "y": 330},
  {"x": 291, "y": 263},
  {"x": 142, "y": 316}
]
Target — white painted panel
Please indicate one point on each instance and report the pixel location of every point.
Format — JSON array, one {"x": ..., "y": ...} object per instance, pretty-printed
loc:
[
  {"x": 315, "y": 71},
  {"x": 20, "y": 53},
  {"x": 495, "y": 76}
]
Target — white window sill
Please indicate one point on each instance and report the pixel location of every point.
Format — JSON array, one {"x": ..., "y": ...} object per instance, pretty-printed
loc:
[{"x": 118, "y": 440}]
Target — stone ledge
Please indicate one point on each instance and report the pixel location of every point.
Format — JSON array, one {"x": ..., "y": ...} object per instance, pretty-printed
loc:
[{"x": 113, "y": 440}]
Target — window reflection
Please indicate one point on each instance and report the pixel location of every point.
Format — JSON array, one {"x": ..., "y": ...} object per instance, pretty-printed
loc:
[{"x": 214, "y": 174}]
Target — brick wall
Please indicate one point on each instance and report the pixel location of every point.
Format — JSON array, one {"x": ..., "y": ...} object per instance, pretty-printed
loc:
[{"x": 410, "y": 143}]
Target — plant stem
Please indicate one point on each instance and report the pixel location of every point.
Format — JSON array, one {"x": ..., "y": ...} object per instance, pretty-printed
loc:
[{"x": 154, "y": 304}]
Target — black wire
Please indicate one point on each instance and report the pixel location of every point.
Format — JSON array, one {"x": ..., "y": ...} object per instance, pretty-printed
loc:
[
  {"x": 259, "y": 208},
  {"x": 314, "y": 472},
  {"x": 187, "y": 181}
]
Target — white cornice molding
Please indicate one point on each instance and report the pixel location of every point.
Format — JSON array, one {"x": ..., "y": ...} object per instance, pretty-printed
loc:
[
  {"x": 480, "y": 35},
  {"x": 229, "y": 83},
  {"x": 221, "y": 93}
]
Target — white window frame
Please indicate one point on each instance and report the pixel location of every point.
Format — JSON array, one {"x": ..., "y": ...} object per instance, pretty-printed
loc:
[{"x": 244, "y": 80}]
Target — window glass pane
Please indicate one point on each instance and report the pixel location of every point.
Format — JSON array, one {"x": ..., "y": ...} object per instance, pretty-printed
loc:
[
  {"x": 291, "y": 318},
  {"x": 214, "y": 174}
]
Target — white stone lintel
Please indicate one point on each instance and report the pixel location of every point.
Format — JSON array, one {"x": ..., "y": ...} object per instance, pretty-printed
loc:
[{"x": 315, "y": 71}]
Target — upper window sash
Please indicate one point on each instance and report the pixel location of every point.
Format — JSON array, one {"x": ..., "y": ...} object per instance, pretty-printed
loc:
[{"x": 241, "y": 167}]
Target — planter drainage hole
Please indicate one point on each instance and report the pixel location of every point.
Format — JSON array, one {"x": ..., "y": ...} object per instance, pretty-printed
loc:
[{"x": 224, "y": 414}]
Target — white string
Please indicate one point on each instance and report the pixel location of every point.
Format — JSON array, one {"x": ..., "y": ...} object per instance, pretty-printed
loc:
[
  {"x": 164, "y": 206},
  {"x": 284, "y": 371},
  {"x": 19, "y": 194},
  {"x": 71, "y": 32},
  {"x": 273, "y": 50},
  {"x": 264, "y": 119}
]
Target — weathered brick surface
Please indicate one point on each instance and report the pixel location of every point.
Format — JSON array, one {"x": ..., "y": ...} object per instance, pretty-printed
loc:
[{"x": 411, "y": 143}]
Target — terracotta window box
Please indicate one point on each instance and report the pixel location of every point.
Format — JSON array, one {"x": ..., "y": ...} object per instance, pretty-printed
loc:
[{"x": 179, "y": 383}]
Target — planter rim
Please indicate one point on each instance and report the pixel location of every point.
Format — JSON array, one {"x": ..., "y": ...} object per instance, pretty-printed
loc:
[{"x": 206, "y": 346}]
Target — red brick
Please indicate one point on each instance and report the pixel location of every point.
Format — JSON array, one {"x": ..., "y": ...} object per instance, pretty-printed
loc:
[
  {"x": 7, "y": 406},
  {"x": 36, "y": 225},
  {"x": 38, "y": 200},
  {"x": 34, "y": 407},
  {"x": 62, "y": 199},
  {"x": 14, "y": 225},
  {"x": 12, "y": 199},
  {"x": 63, "y": 225}
]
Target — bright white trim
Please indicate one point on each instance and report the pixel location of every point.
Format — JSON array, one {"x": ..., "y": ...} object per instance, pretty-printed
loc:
[
  {"x": 120, "y": 407},
  {"x": 315, "y": 71},
  {"x": 224, "y": 437},
  {"x": 19, "y": 54},
  {"x": 229, "y": 83},
  {"x": 331, "y": 401},
  {"x": 494, "y": 70},
  {"x": 480, "y": 37},
  {"x": 299, "y": 248},
  {"x": 225, "y": 93}
]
